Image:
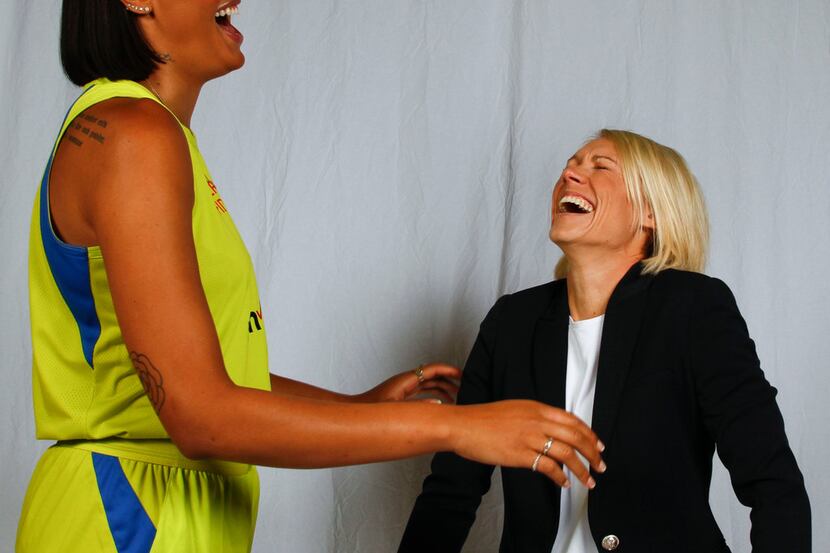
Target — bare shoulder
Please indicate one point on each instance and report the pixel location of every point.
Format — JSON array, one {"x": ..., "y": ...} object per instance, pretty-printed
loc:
[
  {"x": 135, "y": 130},
  {"x": 121, "y": 135},
  {"x": 132, "y": 113},
  {"x": 113, "y": 155},
  {"x": 142, "y": 165}
]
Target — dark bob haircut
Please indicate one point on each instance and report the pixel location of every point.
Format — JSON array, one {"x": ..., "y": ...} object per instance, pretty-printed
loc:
[{"x": 100, "y": 38}]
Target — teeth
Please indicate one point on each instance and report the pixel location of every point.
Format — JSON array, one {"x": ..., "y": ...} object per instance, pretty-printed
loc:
[
  {"x": 227, "y": 11},
  {"x": 577, "y": 201}
]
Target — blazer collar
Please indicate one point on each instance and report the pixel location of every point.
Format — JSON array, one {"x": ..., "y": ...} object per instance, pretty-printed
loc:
[
  {"x": 620, "y": 332},
  {"x": 550, "y": 356},
  {"x": 621, "y": 327},
  {"x": 632, "y": 282},
  {"x": 550, "y": 359},
  {"x": 550, "y": 349}
]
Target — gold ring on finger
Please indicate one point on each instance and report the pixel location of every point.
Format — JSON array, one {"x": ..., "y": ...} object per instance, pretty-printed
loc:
[
  {"x": 419, "y": 372},
  {"x": 548, "y": 445}
]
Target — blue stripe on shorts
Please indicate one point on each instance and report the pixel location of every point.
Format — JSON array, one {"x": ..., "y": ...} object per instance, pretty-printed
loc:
[{"x": 131, "y": 528}]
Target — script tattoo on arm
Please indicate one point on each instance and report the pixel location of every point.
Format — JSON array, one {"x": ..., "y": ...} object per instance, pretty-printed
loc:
[
  {"x": 151, "y": 379},
  {"x": 86, "y": 125}
]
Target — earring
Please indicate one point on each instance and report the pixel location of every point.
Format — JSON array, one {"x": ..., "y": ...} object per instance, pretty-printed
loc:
[{"x": 140, "y": 10}]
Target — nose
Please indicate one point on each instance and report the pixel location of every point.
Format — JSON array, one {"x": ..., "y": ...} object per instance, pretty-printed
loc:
[{"x": 572, "y": 175}]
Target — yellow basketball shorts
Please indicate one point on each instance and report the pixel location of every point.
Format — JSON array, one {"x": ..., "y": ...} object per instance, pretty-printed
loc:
[{"x": 84, "y": 499}]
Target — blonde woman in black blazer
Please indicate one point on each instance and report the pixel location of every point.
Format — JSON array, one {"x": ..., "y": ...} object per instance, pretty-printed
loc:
[{"x": 677, "y": 377}]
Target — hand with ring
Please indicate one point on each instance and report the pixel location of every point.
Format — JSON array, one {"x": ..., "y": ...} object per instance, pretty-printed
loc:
[
  {"x": 544, "y": 452},
  {"x": 530, "y": 435},
  {"x": 435, "y": 382}
]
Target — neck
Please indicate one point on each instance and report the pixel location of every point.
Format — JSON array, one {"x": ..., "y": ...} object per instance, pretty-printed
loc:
[
  {"x": 178, "y": 94},
  {"x": 591, "y": 281}
]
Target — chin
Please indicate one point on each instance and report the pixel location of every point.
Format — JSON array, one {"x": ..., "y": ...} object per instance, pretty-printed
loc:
[
  {"x": 234, "y": 62},
  {"x": 229, "y": 67},
  {"x": 558, "y": 237},
  {"x": 238, "y": 62},
  {"x": 560, "y": 234}
]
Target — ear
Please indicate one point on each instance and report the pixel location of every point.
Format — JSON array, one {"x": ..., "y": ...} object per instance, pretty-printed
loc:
[
  {"x": 138, "y": 7},
  {"x": 648, "y": 218}
]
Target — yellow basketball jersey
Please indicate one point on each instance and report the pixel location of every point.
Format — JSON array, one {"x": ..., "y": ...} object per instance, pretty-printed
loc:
[{"x": 85, "y": 386}]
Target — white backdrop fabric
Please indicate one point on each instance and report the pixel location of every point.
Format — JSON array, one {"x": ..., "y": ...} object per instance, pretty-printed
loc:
[{"x": 389, "y": 165}]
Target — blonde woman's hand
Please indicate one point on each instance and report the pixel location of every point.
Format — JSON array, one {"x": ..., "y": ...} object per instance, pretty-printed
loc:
[
  {"x": 435, "y": 382},
  {"x": 513, "y": 433}
]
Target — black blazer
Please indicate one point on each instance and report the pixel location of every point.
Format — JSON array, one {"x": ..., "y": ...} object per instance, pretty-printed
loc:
[{"x": 678, "y": 375}]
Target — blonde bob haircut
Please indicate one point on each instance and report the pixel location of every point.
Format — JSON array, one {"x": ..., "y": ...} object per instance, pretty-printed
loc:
[{"x": 657, "y": 177}]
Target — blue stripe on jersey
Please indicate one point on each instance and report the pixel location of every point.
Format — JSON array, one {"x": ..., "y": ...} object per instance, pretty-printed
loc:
[
  {"x": 70, "y": 269},
  {"x": 131, "y": 528}
]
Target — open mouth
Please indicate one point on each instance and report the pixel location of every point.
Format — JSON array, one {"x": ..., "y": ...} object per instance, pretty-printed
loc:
[
  {"x": 574, "y": 204},
  {"x": 223, "y": 16},
  {"x": 223, "y": 19}
]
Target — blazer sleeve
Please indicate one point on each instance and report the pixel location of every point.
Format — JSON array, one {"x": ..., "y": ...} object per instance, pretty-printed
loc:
[
  {"x": 446, "y": 509},
  {"x": 742, "y": 416}
]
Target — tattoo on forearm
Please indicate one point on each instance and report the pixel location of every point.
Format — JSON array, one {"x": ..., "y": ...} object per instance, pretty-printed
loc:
[
  {"x": 87, "y": 125},
  {"x": 151, "y": 379}
]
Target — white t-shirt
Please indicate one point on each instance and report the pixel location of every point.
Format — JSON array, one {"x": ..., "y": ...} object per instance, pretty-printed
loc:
[{"x": 574, "y": 535}]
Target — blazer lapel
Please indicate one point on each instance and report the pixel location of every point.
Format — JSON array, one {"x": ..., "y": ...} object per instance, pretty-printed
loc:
[
  {"x": 550, "y": 351},
  {"x": 550, "y": 356},
  {"x": 620, "y": 331}
]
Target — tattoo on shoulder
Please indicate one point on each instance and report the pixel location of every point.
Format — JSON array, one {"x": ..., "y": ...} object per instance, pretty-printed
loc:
[
  {"x": 151, "y": 379},
  {"x": 87, "y": 125}
]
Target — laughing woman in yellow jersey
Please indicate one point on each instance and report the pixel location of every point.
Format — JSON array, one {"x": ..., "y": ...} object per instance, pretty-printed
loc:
[{"x": 150, "y": 366}]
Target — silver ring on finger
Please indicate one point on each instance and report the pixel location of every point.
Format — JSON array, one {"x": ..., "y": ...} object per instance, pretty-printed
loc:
[
  {"x": 548, "y": 445},
  {"x": 536, "y": 462},
  {"x": 419, "y": 372}
]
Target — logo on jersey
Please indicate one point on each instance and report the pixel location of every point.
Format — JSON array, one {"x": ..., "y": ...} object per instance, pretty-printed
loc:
[
  {"x": 220, "y": 205},
  {"x": 255, "y": 321}
]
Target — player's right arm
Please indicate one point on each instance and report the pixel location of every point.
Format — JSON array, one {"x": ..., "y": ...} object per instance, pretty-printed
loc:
[{"x": 134, "y": 200}]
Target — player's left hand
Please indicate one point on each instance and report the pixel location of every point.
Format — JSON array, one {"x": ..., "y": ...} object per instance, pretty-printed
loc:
[{"x": 434, "y": 382}]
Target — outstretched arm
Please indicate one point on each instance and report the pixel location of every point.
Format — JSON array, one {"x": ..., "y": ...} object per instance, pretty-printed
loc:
[
  {"x": 142, "y": 222},
  {"x": 433, "y": 385}
]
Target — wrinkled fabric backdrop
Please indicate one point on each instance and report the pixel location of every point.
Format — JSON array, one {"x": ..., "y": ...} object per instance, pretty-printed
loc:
[{"x": 389, "y": 165}]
